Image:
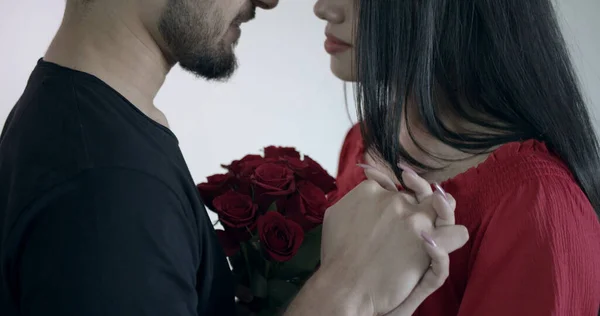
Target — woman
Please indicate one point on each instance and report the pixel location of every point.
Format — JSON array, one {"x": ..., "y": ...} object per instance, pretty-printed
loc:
[{"x": 481, "y": 97}]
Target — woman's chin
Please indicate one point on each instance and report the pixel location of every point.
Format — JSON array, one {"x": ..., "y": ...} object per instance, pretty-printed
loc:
[{"x": 342, "y": 73}]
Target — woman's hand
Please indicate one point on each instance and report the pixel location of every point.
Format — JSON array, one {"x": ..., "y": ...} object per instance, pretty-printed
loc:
[{"x": 438, "y": 245}]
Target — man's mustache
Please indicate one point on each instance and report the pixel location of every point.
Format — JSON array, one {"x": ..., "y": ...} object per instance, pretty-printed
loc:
[{"x": 247, "y": 14}]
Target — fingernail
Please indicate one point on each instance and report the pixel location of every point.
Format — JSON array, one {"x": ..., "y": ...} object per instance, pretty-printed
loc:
[
  {"x": 406, "y": 169},
  {"x": 364, "y": 166},
  {"x": 439, "y": 189},
  {"x": 428, "y": 239},
  {"x": 386, "y": 178}
]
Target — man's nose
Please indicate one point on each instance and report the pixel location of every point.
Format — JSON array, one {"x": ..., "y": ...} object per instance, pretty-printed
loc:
[{"x": 266, "y": 4}]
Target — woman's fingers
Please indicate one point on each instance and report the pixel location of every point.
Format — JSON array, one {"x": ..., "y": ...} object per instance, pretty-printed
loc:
[
  {"x": 450, "y": 238},
  {"x": 432, "y": 280},
  {"x": 444, "y": 206},
  {"x": 413, "y": 182},
  {"x": 374, "y": 174}
]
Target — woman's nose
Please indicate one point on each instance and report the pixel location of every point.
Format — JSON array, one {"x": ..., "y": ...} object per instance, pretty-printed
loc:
[{"x": 328, "y": 11}]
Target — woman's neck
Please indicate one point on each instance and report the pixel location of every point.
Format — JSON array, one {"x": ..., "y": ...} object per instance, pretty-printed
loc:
[
  {"x": 447, "y": 171},
  {"x": 452, "y": 169}
]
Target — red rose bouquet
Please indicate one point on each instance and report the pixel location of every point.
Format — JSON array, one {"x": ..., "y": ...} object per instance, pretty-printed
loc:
[{"x": 271, "y": 208}]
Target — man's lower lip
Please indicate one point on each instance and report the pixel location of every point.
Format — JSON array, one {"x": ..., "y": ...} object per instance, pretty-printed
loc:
[{"x": 332, "y": 47}]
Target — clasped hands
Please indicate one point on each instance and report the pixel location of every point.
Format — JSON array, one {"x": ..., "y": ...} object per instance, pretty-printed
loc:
[{"x": 394, "y": 246}]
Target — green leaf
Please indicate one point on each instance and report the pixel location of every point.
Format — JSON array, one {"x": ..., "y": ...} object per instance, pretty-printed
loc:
[
  {"x": 315, "y": 233},
  {"x": 259, "y": 285},
  {"x": 270, "y": 312},
  {"x": 272, "y": 207},
  {"x": 281, "y": 293},
  {"x": 238, "y": 265},
  {"x": 304, "y": 263},
  {"x": 255, "y": 243},
  {"x": 246, "y": 259}
]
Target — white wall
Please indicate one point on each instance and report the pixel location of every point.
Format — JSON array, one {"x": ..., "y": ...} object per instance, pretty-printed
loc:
[
  {"x": 282, "y": 94},
  {"x": 581, "y": 28}
]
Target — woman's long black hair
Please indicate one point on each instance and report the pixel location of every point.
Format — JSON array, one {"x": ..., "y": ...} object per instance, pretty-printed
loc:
[{"x": 501, "y": 65}]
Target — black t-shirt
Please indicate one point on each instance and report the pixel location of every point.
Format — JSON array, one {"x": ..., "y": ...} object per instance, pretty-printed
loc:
[{"x": 99, "y": 214}]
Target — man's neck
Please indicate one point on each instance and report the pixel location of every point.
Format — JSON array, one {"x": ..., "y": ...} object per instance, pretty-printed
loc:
[{"x": 121, "y": 53}]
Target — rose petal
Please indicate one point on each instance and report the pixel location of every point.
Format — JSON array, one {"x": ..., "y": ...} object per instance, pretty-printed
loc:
[
  {"x": 319, "y": 176},
  {"x": 280, "y": 237},
  {"x": 230, "y": 246},
  {"x": 277, "y": 152},
  {"x": 214, "y": 186},
  {"x": 236, "y": 210}
]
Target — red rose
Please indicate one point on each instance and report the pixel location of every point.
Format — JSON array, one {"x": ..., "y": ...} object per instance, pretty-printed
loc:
[
  {"x": 280, "y": 237},
  {"x": 319, "y": 176},
  {"x": 307, "y": 207},
  {"x": 229, "y": 244},
  {"x": 272, "y": 180},
  {"x": 278, "y": 152},
  {"x": 242, "y": 170},
  {"x": 235, "y": 210},
  {"x": 295, "y": 164},
  {"x": 239, "y": 166},
  {"x": 215, "y": 185}
]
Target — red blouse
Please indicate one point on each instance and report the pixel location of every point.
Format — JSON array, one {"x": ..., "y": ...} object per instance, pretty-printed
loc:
[{"x": 535, "y": 239}]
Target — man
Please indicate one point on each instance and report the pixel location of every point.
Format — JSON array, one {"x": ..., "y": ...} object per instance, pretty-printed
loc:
[{"x": 99, "y": 214}]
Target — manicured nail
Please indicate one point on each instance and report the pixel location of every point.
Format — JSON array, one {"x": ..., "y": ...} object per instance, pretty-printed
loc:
[
  {"x": 439, "y": 189},
  {"x": 428, "y": 239},
  {"x": 444, "y": 199},
  {"x": 406, "y": 169}
]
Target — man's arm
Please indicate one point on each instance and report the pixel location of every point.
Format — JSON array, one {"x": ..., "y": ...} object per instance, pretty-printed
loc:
[
  {"x": 328, "y": 293},
  {"x": 111, "y": 242}
]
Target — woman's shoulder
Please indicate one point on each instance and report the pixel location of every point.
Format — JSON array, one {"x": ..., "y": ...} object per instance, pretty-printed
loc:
[
  {"x": 515, "y": 165},
  {"x": 349, "y": 174},
  {"x": 353, "y": 137},
  {"x": 530, "y": 160},
  {"x": 518, "y": 182},
  {"x": 524, "y": 187},
  {"x": 531, "y": 194},
  {"x": 352, "y": 149}
]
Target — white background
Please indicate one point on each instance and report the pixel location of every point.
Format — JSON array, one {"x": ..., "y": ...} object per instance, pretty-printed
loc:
[{"x": 282, "y": 94}]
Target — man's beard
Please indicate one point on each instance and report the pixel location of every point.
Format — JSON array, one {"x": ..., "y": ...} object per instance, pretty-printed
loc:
[{"x": 192, "y": 36}]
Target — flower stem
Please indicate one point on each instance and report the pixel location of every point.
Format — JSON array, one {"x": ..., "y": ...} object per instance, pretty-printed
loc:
[
  {"x": 267, "y": 268},
  {"x": 246, "y": 261}
]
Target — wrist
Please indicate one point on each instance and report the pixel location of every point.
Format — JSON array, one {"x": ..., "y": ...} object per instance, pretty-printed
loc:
[{"x": 342, "y": 290}]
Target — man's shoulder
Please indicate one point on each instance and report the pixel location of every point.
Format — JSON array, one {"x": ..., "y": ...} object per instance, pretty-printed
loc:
[
  {"x": 66, "y": 122},
  {"x": 110, "y": 193},
  {"x": 113, "y": 189}
]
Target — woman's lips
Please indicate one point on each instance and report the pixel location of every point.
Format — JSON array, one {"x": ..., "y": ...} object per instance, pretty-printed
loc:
[{"x": 334, "y": 45}]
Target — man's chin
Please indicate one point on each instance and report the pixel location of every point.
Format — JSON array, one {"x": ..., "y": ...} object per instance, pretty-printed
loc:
[{"x": 215, "y": 69}]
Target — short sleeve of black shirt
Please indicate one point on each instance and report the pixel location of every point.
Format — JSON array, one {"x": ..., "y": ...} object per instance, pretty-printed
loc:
[
  {"x": 110, "y": 242},
  {"x": 98, "y": 212}
]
